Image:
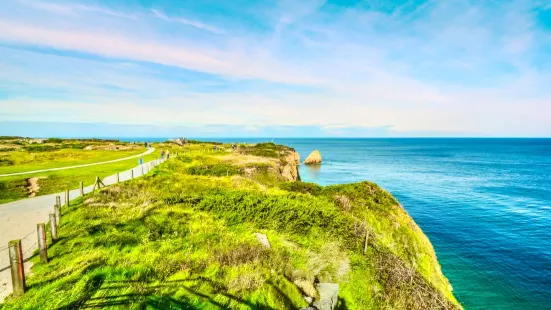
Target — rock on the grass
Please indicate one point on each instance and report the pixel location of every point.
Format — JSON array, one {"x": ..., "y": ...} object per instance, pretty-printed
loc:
[
  {"x": 313, "y": 158},
  {"x": 263, "y": 239},
  {"x": 329, "y": 294}
]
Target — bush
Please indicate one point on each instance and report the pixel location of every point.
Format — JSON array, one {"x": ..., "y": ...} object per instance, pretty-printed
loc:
[
  {"x": 6, "y": 162},
  {"x": 204, "y": 142},
  {"x": 40, "y": 148},
  {"x": 10, "y": 137},
  {"x": 77, "y": 146},
  {"x": 302, "y": 187},
  {"x": 13, "y": 189},
  {"x": 267, "y": 149},
  {"x": 292, "y": 213},
  {"x": 53, "y": 140},
  {"x": 217, "y": 170},
  {"x": 185, "y": 159}
]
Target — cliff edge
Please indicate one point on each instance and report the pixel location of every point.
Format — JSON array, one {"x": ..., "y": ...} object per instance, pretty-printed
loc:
[{"x": 233, "y": 228}]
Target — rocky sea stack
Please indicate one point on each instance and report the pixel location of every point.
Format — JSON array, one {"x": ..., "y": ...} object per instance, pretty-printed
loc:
[{"x": 313, "y": 158}]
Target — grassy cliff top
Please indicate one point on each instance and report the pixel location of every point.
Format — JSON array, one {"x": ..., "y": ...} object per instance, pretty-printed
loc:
[{"x": 183, "y": 238}]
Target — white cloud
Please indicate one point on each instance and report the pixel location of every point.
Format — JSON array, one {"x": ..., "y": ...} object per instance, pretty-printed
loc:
[
  {"x": 411, "y": 71},
  {"x": 163, "y": 16}
]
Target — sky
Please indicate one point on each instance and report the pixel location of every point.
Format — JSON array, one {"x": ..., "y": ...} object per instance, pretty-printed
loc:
[{"x": 308, "y": 68}]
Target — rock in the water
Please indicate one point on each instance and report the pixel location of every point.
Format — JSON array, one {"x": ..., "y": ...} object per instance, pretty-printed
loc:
[
  {"x": 262, "y": 238},
  {"x": 313, "y": 158}
]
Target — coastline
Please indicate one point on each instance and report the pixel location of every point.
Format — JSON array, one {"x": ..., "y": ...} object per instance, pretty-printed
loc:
[{"x": 358, "y": 232}]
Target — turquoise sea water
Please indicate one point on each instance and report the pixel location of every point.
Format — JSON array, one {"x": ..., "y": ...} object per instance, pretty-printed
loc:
[{"x": 485, "y": 204}]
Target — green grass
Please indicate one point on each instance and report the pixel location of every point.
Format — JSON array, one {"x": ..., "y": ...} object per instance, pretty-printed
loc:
[
  {"x": 22, "y": 160},
  {"x": 184, "y": 240},
  {"x": 15, "y": 187}
]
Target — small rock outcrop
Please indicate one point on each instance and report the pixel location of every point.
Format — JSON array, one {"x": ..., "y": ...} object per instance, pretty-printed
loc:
[
  {"x": 328, "y": 297},
  {"x": 263, "y": 239},
  {"x": 179, "y": 141},
  {"x": 329, "y": 294},
  {"x": 313, "y": 158}
]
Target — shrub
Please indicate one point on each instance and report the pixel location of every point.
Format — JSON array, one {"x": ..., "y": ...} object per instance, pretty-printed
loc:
[
  {"x": 6, "y": 162},
  {"x": 292, "y": 213},
  {"x": 40, "y": 148},
  {"x": 267, "y": 149},
  {"x": 10, "y": 137},
  {"x": 185, "y": 159},
  {"x": 78, "y": 146},
  {"x": 218, "y": 170},
  {"x": 203, "y": 142},
  {"x": 302, "y": 187},
  {"x": 53, "y": 140}
]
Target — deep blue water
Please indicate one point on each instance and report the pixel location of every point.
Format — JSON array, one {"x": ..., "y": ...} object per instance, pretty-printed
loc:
[{"x": 485, "y": 204}]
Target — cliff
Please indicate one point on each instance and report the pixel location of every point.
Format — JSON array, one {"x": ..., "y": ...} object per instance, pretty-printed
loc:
[
  {"x": 288, "y": 166},
  {"x": 187, "y": 237},
  {"x": 282, "y": 161}
]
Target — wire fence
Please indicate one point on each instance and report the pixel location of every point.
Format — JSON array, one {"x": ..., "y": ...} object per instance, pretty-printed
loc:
[
  {"x": 4, "y": 258},
  {"x": 29, "y": 243}
]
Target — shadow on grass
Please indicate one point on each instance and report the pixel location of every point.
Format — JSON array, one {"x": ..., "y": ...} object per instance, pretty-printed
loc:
[{"x": 151, "y": 296}]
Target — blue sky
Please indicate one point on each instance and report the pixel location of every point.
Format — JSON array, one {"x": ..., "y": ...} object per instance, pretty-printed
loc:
[{"x": 276, "y": 68}]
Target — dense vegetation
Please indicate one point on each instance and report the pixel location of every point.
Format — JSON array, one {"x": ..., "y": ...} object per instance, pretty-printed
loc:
[
  {"x": 182, "y": 238},
  {"x": 267, "y": 149}
]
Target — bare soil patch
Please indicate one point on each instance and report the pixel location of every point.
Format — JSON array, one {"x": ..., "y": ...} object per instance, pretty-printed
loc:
[{"x": 32, "y": 186}]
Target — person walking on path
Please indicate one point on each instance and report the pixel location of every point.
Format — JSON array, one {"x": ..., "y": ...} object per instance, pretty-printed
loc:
[
  {"x": 162, "y": 154},
  {"x": 167, "y": 154}
]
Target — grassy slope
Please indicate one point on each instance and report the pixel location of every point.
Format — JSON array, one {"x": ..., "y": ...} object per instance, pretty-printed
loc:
[{"x": 183, "y": 238}]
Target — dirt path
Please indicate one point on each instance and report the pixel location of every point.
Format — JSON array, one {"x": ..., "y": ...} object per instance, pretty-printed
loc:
[
  {"x": 32, "y": 187},
  {"x": 149, "y": 151}
]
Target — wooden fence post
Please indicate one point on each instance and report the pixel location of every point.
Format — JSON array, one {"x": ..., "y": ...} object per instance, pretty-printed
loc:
[
  {"x": 42, "y": 245},
  {"x": 66, "y": 198},
  {"x": 132, "y": 173},
  {"x": 57, "y": 212},
  {"x": 142, "y": 169},
  {"x": 81, "y": 188},
  {"x": 365, "y": 241},
  {"x": 53, "y": 227},
  {"x": 98, "y": 183},
  {"x": 58, "y": 200},
  {"x": 118, "y": 178},
  {"x": 17, "y": 270}
]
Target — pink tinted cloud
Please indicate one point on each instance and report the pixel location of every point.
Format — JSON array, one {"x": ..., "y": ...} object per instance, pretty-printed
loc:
[{"x": 150, "y": 50}]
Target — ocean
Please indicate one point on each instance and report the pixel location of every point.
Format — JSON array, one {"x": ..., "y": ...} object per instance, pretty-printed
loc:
[{"x": 485, "y": 204}]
